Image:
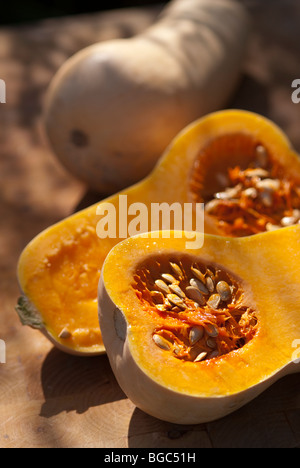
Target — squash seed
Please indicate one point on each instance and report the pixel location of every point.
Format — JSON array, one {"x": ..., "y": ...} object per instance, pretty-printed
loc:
[
  {"x": 162, "y": 286},
  {"x": 176, "y": 301},
  {"x": 296, "y": 214},
  {"x": 250, "y": 192},
  {"x": 210, "y": 284},
  {"x": 224, "y": 291},
  {"x": 161, "y": 342},
  {"x": 289, "y": 220},
  {"x": 229, "y": 193},
  {"x": 195, "y": 334},
  {"x": 212, "y": 205},
  {"x": 200, "y": 357},
  {"x": 211, "y": 330},
  {"x": 169, "y": 278},
  {"x": 176, "y": 269},
  {"x": 198, "y": 274},
  {"x": 177, "y": 290},
  {"x": 194, "y": 294},
  {"x": 214, "y": 301},
  {"x": 266, "y": 197},
  {"x": 161, "y": 307},
  {"x": 272, "y": 227},
  {"x": 269, "y": 184},
  {"x": 158, "y": 297},
  {"x": 176, "y": 309},
  {"x": 261, "y": 156},
  {"x": 257, "y": 172},
  {"x": 176, "y": 348},
  {"x": 211, "y": 343},
  {"x": 198, "y": 284},
  {"x": 65, "y": 334}
]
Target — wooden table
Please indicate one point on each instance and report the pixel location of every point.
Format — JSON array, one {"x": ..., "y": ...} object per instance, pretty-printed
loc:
[{"x": 50, "y": 399}]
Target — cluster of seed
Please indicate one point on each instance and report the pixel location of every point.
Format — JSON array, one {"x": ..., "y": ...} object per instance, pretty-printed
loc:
[
  {"x": 201, "y": 290},
  {"x": 256, "y": 197},
  {"x": 208, "y": 333},
  {"x": 177, "y": 293}
]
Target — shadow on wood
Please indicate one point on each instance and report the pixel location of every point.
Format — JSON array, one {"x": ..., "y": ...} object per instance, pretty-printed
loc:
[
  {"x": 270, "y": 421},
  {"x": 72, "y": 383}
]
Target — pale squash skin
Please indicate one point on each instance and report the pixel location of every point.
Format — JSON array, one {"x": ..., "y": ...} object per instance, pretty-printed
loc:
[
  {"x": 113, "y": 107},
  {"x": 43, "y": 268},
  {"x": 193, "y": 393}
]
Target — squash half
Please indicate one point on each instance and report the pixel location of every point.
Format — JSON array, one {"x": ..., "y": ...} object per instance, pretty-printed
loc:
[
  {"x": 265, "y": 268},
  {"x": 59, "y": 270}
]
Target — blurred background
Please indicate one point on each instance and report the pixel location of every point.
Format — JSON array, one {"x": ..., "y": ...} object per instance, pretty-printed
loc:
[{"x": 19, "y": 11}]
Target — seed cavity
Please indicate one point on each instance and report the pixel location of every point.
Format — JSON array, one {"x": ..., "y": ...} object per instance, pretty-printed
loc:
[
  {"x": 200, "y": 308},
  {"x": 250, "y": 199}
]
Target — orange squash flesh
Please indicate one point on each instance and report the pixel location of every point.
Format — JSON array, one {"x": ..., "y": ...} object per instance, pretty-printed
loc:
[
  {"x": 188, "y": 392},
  {"x": 59, "y": 270},
  {"x": 58, "y": 274}
]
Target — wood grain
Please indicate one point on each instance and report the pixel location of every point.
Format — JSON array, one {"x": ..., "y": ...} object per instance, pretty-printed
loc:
[{"x": 50, "y": 399}]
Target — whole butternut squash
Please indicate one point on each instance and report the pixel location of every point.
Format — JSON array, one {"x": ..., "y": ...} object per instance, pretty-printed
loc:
[{"x": 113, "y": 108}]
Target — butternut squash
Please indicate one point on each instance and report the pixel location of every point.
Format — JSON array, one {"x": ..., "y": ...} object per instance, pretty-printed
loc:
[
  {"x": 60, "y": 269},
  {"x": 113, "y": 107},
  {"x": 186, "y": 360}
]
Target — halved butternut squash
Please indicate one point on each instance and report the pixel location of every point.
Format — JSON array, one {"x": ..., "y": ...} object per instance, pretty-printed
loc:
[
  {"x": 59, "y": 270},
  {"x": 187, "y": 360}
]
